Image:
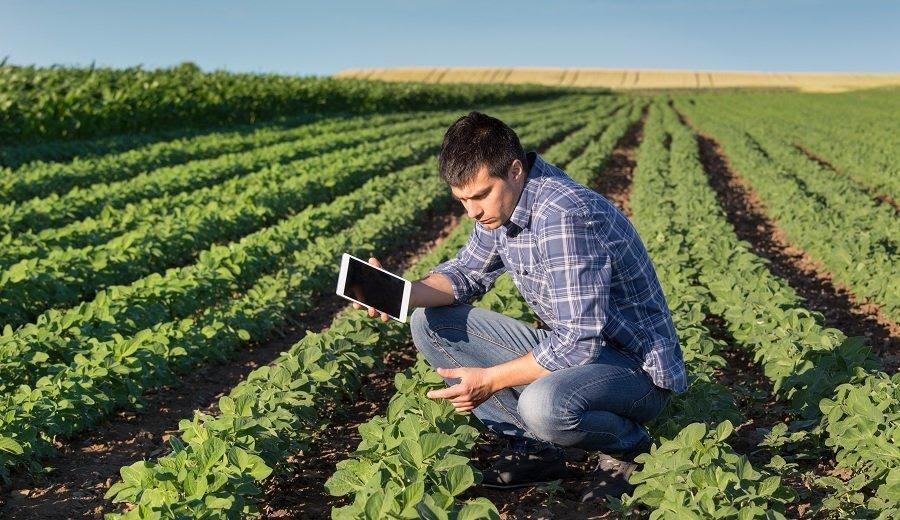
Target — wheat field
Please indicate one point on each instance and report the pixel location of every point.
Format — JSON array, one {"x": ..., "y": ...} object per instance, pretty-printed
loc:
[{"x": 633, "y": 79}]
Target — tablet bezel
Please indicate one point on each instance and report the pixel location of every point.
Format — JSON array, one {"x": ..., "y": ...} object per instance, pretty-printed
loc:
[{"x": 342, "y": 282}]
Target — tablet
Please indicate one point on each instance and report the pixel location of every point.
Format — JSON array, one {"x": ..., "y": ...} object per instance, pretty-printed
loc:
[{"x": 363, "y": 283}]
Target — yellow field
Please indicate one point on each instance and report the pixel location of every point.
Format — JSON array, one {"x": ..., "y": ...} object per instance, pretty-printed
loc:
[{"x": 632, "y": 78}]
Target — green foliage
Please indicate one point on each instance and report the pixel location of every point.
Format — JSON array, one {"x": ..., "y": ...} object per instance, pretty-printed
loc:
[
  {"x": 823, "y": 212},
  {"x": 412, "y": 461},
  {"x": 66, "y": 103},
  {"x": 274, "y": 412},
  {"x": 863, "y": 425},
  {"x": 697, "y": 475}
]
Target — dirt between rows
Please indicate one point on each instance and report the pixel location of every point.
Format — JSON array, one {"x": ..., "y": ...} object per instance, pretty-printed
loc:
[
  {"x": 747, "y": 215},
  {"x": 86, "y": 466},
  {"x": 303, "y": 495},
  {"x": 809, "y": 277},
  {"x": 79, "y": 475}
]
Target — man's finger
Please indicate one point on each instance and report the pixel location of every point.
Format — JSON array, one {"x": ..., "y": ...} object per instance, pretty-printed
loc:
[
  {"x": 448, "y": 372},
  {"x": 374, "y": 261},
  {"x": 446, "y": 393}
]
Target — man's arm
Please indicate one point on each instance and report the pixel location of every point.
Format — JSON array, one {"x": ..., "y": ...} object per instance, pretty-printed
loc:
[{"x": 435, "y": 290}]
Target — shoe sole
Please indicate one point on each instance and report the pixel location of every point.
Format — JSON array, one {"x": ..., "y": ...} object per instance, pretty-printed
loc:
[{"x": 516, "y": 486}]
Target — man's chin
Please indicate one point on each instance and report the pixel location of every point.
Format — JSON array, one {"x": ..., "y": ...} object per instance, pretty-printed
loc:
[{"x": 494, "y": 224}]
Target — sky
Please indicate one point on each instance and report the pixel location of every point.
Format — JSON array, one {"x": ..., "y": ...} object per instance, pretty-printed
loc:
[{"x": 325, "y": 37}]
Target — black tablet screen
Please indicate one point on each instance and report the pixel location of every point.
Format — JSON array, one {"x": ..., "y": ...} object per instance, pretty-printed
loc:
[{"x": 372, "y": 287}]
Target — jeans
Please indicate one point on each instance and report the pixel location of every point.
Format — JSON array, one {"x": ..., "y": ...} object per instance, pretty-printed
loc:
[{"x": 600, "y": 406}]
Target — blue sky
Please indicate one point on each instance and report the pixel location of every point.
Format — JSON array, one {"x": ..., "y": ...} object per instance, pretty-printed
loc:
[{"x": 324, "y": 37}]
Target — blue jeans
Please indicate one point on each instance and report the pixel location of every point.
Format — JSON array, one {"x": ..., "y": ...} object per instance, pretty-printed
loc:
[{"x": 600, "y": 406}]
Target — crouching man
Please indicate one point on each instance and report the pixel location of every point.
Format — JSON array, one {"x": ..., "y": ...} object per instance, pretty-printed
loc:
[{"x": 610, "y": 360}]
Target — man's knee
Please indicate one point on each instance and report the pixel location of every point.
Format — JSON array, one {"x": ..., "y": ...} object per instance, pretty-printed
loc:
[
  {"x": 418, "y": 326},
  {"x": 544, "y": 413},
  {"x": 422, "y": 325}
]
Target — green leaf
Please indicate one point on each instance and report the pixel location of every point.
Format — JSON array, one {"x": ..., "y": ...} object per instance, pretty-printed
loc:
[
  {"x": 478, "y": 509},
  {"x": 9, "y": 445},
  {"x": 459, "y": 479},
  {"x": 411, "y": 453},
  {"x": 432, "y": 442}
]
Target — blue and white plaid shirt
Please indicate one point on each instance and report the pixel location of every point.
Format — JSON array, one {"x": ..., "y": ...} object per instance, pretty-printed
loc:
[{"x": 583, "y": 269}]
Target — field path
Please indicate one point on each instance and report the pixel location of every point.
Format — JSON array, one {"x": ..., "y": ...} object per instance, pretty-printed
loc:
[
  {"x": 746, "y": 213},
  {"x": 87, "y": 466}
]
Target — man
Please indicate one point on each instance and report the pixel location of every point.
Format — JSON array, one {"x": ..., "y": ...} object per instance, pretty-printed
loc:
[{"x": 610, "y": 360}]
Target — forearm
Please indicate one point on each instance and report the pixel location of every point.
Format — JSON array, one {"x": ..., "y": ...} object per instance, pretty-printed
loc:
[
  {"x": 519, "y": 371},
  {"x": 435, "y": 290}
]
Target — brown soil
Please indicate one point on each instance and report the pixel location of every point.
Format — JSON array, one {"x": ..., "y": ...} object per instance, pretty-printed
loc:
[
  {"x": 618, "y": 172},
  {"x": 302, "y": 494},
  {"x": 746, "y": 213},
  {"x": 877, "y": 197},
  {"x": 87, "y": 466}
]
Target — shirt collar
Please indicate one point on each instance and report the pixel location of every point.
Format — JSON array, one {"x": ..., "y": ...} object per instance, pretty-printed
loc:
[{"x": 521, "y": 216}]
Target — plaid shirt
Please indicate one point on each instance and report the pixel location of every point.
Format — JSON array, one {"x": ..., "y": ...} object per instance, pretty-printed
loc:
[{"x": 583, "y": 269}]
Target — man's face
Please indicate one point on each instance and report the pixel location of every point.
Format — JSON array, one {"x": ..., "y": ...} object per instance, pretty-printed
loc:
[{"x": 491, "y": 200}]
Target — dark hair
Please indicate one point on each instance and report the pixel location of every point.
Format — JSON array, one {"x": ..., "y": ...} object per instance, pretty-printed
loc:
[{"x": 477, "y": 140}]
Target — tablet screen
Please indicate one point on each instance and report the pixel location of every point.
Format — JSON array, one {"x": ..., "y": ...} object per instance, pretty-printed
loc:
[{"x": 373, "y": 287}]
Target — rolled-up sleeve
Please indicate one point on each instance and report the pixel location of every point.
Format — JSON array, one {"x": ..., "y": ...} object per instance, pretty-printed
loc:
[
  {"x": 475, "y": 268},
  {"x": 579, "y": 271}
]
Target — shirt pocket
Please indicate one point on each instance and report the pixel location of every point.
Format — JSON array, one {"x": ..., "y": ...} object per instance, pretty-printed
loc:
[{"x": 531, "y": 278}]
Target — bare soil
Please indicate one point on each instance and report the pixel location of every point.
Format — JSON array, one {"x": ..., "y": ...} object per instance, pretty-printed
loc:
[
  {"x": 812, "y": 281},
  {"x": 746, "y": 212},
  {"x": 86, "y": 466},
  {"x": 618, "y": 173}
]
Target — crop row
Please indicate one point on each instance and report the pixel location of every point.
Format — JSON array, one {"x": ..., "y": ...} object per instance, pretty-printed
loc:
[
  {"x": 74, "y": 394},
  {"x": 693, "y": 472},
  {"x": 160, "y": 211},
  {"x": 65, "y": 103},
  {"x": 55, "y": 210},
  {"x": 29, "y": 352},
  {"x": 805, "y": 361},
  {"x": 39, "y": 179},
  {"x": 853, "y": 236},
  {"x": 66, "y": 277},
  {"x": 849, "y": 130},
  {"x": 75, "y": 385},
  {"x": 385, "y": 463},
  {"x": 350, "y": 351}
]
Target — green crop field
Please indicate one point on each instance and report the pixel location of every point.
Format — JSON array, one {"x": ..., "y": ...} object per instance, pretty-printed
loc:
[{"x": 172, "y": 346}]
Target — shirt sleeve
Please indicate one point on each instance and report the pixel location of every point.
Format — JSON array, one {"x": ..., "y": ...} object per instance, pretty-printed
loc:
[
  {"x": 475, "y": 268},
  {"x": 579, "y": 270}
]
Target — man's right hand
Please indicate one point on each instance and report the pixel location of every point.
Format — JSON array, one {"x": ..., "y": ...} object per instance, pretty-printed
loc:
[{"x": 371, "y": 311}]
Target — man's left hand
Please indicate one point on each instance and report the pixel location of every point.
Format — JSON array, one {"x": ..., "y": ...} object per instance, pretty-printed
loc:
[{"x": 473, "y": 388}]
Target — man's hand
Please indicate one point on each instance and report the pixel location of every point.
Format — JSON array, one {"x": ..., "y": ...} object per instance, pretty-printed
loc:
[
  {"x": 473, "y": 389},
  {"x": 372, "y": 312}
]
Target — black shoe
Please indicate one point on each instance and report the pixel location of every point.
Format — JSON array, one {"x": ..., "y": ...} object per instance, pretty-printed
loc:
[
  {"x": 611, "y": 475},
  {"x": 517, "y": 468}
]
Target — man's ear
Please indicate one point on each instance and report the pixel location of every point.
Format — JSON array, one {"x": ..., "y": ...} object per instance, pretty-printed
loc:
[{"x": 516, "y": 169}]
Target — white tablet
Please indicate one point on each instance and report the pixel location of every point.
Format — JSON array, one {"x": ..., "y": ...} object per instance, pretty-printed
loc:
[{"x": 363, "y": 283}]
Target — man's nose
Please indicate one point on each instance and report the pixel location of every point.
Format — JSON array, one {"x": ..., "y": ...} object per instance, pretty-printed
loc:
[{"x": 473, "y": 210}]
